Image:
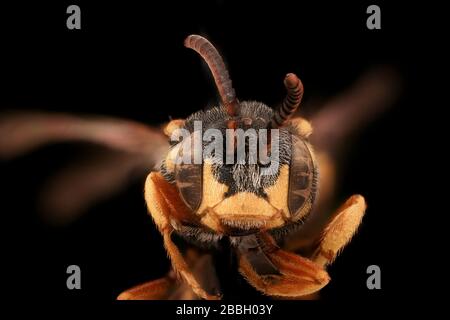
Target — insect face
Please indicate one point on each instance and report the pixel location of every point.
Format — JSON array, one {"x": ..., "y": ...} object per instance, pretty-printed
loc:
[
  {"x": 232, "y": 190},
  {"x": 244, "y": 172}
]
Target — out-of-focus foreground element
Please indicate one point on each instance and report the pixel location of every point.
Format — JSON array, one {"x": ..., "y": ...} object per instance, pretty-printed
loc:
[{"x": 132, "y": 150}]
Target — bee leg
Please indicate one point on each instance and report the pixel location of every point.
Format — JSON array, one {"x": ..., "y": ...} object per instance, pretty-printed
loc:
[
  {"x": 181, "y": 267},
  {"x": 152, "y": 290},
  {"x": 168, "y": 288},
  {"x": 296, "y": 276},
  {"x": 164, "y": 203},
  {"x": 339, "y": 230}
]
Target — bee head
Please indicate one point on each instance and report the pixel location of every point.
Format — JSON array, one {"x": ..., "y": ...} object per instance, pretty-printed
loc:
[{"x": 242, "y": 167}]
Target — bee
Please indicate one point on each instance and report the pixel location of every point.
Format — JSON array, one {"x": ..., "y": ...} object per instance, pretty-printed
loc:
[
  {"x": 207, "y": 202},
  {"x": 269, "y": 217}
]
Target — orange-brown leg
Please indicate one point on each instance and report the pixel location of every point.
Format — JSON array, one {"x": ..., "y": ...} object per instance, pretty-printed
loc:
[
  {"x": 340, "y": 230},
  {"x": 163, "y": 202},
  {"x": 152, "y": 290},
  {"x": 298, "y": 276},
  {"x": 170, "y": 288}
]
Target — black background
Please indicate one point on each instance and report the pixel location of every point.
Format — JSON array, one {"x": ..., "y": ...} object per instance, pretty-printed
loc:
[{"x": 121, "y": 63}]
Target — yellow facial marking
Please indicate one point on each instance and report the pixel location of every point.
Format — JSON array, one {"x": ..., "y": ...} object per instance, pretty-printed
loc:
[
  {"x": 244, "y": 209},
  {"x": 244, "y": 204},
  {"x": 213, "y": 191}
]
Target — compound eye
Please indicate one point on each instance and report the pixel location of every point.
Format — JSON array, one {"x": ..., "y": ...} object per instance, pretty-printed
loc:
[
  {"x": 302, "y": 179},
  {"x": 189, "y": 176}
]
